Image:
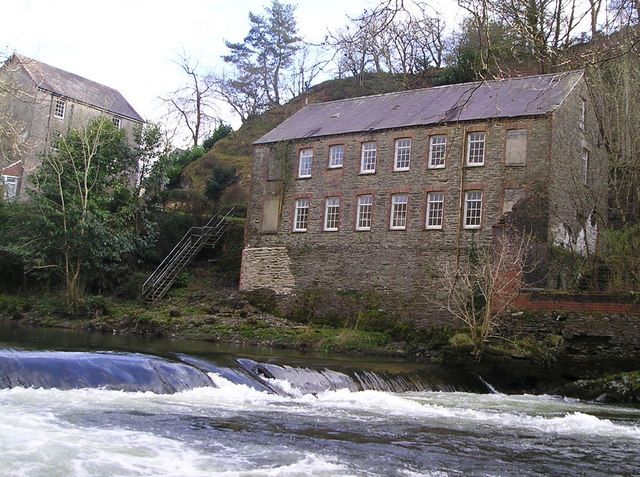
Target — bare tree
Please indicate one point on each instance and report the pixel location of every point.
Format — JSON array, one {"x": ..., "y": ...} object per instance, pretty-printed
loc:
[
  {"x": 193, "y": 104},
  {"x": 481, "y": 289}
]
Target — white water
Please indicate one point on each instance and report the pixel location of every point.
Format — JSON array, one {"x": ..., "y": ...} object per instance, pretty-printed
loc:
[{"x": 234, "y": 430}]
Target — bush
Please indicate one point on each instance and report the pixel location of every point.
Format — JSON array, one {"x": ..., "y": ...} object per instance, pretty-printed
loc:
[
  {"x": 263, "y": 299},
  {"x": 461, "y": 340}
]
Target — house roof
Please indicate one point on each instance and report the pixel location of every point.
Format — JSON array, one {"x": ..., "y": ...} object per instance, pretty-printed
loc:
[
  {"x": 503, "y": 98},
  {"x": 70, "y": 85}
]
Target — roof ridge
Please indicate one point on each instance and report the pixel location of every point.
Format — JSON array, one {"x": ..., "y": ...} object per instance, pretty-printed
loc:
[{"x": 442, "y": 86}]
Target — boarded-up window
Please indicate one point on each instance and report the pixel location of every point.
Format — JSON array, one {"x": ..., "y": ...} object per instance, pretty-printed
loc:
[
  {"x": 271, "y": 215},
  {"x": 516, "y": 153},
  {"x": 274, "y": 169},
  {"x": 511, "y": 196}
]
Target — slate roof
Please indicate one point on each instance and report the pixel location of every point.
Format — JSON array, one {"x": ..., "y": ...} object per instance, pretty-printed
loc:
[
  {"x": 504, "y": 98},
  {"x": 72, "y": 86}
]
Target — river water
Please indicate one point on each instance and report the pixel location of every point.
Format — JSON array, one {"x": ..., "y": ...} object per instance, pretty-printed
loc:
[{"x": 270, "y": 413}]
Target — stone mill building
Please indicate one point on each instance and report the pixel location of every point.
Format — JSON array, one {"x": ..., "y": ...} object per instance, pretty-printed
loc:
[{"x": 362, "y": 194}]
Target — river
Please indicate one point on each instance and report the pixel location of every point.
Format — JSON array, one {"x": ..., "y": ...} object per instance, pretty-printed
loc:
[{"x": 266, "y": 412}]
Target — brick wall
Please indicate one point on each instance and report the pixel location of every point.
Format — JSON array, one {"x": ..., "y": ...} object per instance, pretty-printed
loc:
[{"x": 585, "y": 303}]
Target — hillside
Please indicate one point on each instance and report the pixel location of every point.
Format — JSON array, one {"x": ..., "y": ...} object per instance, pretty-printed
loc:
[{"x": 237, "y": 149}]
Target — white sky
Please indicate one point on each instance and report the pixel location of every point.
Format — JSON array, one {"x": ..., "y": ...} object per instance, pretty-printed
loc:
[{"x": 130, "y": 44}]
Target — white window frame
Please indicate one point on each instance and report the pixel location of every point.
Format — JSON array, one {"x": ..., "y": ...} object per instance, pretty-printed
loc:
[
  {"x": 368, "y": 157},
  {"x": 399, "y": 212},
  {"x": 433, "y": 147},
  {"x": 472, "y": 197},
  {"x": 403, "y": 153},
  {"x": 435, "y": 210},
  {"x": 59, "y": 108},
  {"x": 301, "y": 215},
  {"x": 583, "y": 113},
  {"x": 331, "y": 211},
  {"x": 476, "y": 141},
  {"x": 4, "y": 178},
  {"x": 117, "y": 122},
  {"x": 306, "y": 155},
  {"x": 364, "y": 201},
  {"x": 336, "y": 161}
]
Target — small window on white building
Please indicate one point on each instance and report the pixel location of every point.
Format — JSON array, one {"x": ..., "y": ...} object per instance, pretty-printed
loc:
[
  {"x": 59, "y": 108},
  {"x": 402, "y": 155},
  {"x": 336, "y": 156},
  {"x": 435, "y": 210},
  {"x": 472, "y": 209},
  {"x": 301, "y": 218},
  {"x": 585, "y": 166},
  {"x": 363, "y": 218},
  {"x": 399, "y": 211},
  {"x": 331, "y": 214},
  {"x": 10, "y": 186},
  {"x": 475, "y": 149},
  {"x": 304, "y": 166},
  {"x": 368, "y": 159},
  {"x": 117, "y": 122},
  {"x": 437, "y": 151}
]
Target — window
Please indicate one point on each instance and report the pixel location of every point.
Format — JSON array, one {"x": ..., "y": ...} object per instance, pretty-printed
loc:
[
  {"x": 304, "y": 166},
  {"x": 516, "y": 150},
  {"x": 331, "y": 214},
  {"x": 472, "y": 209},
  {"x": 583, "y": 113},
  {"x": 117, "y": 122},
  {"x": 435, "y": 210},
  {"x": 475, "y": 149},
  {"x": 437, "y": 151},
  {"x": 301, "y": 219},
  {"x": 585, "y": 166},
  {"x": 368, "y": 161},
  {"x": 336, "y": 156},
  {"x": 10, "y": 186},
  {"x": 399, "y": 212},
  {"x": 59, "y": 108},
  {"x": 403, "y": 155},
  {"x": 365, "y": 206}
]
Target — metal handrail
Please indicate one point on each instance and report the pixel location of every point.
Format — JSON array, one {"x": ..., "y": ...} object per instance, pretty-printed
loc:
[{"x": 191, "y": 243}]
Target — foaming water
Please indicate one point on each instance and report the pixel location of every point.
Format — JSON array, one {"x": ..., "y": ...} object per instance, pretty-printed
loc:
[
  {"x": 234, "y": 429},
  {"x": 104, "y": 414}
]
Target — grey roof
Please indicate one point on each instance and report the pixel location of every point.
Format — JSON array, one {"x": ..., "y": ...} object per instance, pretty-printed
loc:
[
  {"x": 504, "y": 98},
  {"x": 72, "y": 86}
]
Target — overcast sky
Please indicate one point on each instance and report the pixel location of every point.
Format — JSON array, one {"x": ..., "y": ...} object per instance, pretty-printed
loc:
[{"x": 130, "y": 44}]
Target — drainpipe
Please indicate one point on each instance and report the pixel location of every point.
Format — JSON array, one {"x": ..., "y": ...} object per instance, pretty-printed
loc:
[{"x": 461, "y": 194}]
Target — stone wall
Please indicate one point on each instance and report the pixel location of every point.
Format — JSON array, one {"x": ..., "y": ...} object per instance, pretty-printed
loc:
[
  {"x": 586, "y": 303},
  {"x": 266, "y": 267},
  {"x": 397, "y": 264}
]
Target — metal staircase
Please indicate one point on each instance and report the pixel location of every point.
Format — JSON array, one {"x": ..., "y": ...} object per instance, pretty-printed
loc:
[{"x": 193, "y": 241}]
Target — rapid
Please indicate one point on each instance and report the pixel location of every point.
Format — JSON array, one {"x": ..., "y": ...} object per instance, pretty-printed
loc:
[{"x": 239, "y": 413}]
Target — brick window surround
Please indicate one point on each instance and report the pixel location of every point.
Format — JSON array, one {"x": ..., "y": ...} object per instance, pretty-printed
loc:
[
  {"x": 437, "y": 151},
  {"x": 399, "y": 212},
  {"x": 435, "y": 210},
  {"x": 364, "y": 212},
  {"x": 304, "y": 163},
  {"x": 336, "y": 156},
  {"x": 472, "y": 209},
  {"x": 402, "y": 156},
  {"x": 368, "y": 158},
  {"x": 331, "y": 214},
  {"x": 475, "y": 148},
  {"x": 301, "y": 215}
]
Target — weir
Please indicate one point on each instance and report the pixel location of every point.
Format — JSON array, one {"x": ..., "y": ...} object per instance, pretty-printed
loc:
[{"x": 140, "y": 372}]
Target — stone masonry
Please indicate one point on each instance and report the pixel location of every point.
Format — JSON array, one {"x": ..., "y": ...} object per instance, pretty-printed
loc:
[{"x": 397, "y": 264}]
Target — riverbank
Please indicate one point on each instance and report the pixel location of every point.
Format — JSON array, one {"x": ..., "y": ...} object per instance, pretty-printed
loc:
[{"x": 538, "y": 353}]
